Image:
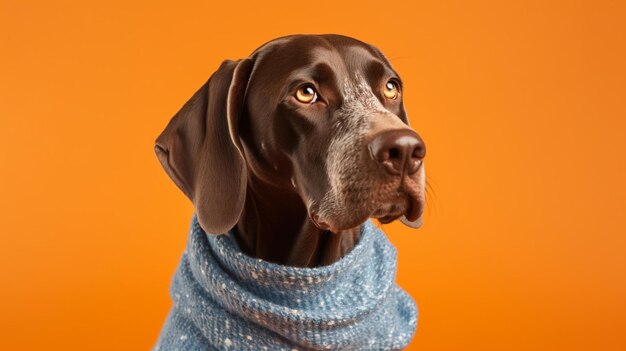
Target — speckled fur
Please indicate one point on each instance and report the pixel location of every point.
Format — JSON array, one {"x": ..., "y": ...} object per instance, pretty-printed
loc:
[{"x": 357, "y": 186}]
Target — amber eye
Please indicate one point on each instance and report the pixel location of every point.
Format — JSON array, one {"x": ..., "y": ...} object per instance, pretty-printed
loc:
[
  {"x": 306, "y": 94},
  {"x": 391, "y": 90}
]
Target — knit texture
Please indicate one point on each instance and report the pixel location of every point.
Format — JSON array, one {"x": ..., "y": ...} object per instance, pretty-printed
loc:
[{"x": 226, "y": 300}]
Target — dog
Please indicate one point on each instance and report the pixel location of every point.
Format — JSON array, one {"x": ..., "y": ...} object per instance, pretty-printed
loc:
[
  {"x": 309, "y": 133},
  {"x": 293, "y": 148}
]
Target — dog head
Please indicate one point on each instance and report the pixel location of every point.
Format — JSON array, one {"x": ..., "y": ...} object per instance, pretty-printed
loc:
[{"x": 319, "y": 115}]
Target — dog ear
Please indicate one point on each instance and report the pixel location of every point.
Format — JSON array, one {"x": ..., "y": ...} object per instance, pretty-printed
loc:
[{"x": 201, "y": 151}]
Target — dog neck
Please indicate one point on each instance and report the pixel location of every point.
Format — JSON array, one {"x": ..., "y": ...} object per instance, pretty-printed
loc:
[{"x": 274, "y": 226}]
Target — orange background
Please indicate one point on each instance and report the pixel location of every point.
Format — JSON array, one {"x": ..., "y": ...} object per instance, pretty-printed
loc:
[{"x": 521, "y": 105}]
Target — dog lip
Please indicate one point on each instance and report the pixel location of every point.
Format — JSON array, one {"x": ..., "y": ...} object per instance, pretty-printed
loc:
[
  {"x": 414, "y": 209},
  {"x": 389, "y": 218},
  {"x": 390, "y": 211}
]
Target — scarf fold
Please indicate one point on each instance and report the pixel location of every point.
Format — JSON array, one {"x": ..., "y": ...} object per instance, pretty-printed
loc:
[{"x": 226, "y": 300}]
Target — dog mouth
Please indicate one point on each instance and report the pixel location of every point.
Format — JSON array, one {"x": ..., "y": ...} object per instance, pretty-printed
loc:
[
  {"x": 409, "y": 207},
  {"x": 405, "y": 204},
  {"x": 388, "y": 218}
]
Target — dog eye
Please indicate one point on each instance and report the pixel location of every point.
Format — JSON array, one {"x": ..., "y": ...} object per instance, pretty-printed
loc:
[
  {"x": 391, "y": 90},
  {"x": 306, "y": 94}
]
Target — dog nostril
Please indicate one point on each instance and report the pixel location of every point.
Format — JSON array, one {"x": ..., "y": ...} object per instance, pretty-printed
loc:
[
  {"x": 394, "y": 153},
  {"x": 419, "y": 151}
]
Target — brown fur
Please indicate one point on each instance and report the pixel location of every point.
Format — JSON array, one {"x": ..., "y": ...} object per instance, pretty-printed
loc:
[{"x": 296, "y": 180}]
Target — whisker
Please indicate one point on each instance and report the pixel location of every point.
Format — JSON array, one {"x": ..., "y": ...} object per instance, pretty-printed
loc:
[
  {"x": 430, "y": 200},
  {"x": 429, "y": 185}
]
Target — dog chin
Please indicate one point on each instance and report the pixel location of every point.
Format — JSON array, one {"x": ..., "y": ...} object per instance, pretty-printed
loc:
[
  {"x": 337, "y": 225},
  {"x": 389, "y": 212},
  {"x": 408, "y": 212}
]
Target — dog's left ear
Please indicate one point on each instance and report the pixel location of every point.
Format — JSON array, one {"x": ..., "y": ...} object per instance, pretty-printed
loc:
[{"x": 201, "y": 151}]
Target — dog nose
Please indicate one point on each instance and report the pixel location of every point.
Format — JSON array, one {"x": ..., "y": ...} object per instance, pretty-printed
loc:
[{"x": 398, "y": 149}]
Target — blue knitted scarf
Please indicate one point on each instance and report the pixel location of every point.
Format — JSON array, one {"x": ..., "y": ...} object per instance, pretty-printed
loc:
[{"x": 226, "y": 300}]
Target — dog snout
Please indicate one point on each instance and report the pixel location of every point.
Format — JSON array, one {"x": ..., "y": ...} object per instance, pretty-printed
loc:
[{"x": 398, "y": 151}]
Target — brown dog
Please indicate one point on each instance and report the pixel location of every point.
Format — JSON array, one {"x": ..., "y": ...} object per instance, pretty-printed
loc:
[{"x": 296, "y": 146}]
